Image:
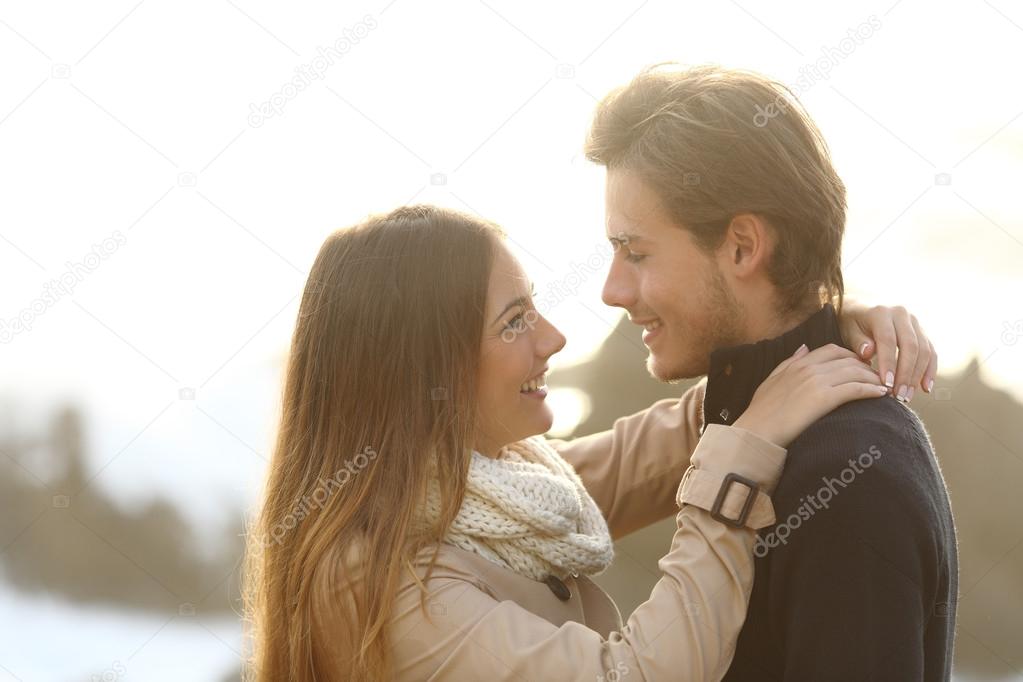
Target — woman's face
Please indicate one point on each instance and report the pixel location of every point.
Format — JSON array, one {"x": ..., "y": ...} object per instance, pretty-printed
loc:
[{"x": 517, "y": 342}]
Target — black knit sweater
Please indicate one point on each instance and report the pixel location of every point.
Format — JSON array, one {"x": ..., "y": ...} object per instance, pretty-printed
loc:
[{"x": 859, "y": 578}]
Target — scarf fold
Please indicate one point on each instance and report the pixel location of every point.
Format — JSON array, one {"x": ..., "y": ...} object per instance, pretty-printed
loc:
[{"x": 529, "y": 512}]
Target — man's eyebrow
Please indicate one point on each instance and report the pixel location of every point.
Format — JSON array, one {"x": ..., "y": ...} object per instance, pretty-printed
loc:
[
  {"x": 622, "y": 238},
  {"x": 520, "y": 301}
]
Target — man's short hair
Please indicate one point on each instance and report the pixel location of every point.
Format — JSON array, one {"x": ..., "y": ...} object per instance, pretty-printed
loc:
[{"x": 714, "y": 143}]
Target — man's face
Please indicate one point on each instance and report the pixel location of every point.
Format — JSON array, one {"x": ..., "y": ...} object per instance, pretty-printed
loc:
[{"x": 665, "y": 282}]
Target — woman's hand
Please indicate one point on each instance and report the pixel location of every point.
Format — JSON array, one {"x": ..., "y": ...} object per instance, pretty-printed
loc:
[
  {"x": 804, "y": 388},
  {"x": 881, "y": 331}
]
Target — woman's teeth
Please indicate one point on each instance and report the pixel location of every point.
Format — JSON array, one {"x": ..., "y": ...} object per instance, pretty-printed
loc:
[
  {"x": 652, "y": 325},
  {"x": 533, "y": 385}
]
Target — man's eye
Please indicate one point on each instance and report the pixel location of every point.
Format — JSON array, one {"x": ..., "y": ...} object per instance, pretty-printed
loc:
[{"x": 634, "y": 257}]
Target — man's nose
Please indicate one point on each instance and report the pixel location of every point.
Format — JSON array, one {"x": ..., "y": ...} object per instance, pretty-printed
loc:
[{"x": 619, "y": 290}]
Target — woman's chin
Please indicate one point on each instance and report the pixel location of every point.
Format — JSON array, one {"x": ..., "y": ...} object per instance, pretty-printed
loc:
[
  {"x": 544, "y": 421},
  {"x": 538, "y": 424}
]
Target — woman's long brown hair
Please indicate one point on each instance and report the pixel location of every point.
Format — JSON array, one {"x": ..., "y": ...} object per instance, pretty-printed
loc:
[{"x": 380, "y": 386}]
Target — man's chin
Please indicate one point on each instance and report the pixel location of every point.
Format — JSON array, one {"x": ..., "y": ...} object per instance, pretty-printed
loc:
[
  {"x": 659, "y": 369},
  {"x": 668, "y": 371}
]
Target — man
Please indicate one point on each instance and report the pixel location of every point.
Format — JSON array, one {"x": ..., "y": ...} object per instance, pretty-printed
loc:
[{"x": 727, "y": 220}]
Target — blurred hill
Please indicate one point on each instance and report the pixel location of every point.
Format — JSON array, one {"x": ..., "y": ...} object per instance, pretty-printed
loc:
[{"x": 64, "y": 537}]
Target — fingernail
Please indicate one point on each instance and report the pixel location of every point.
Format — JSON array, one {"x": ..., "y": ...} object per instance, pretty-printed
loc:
[
  {"x": 800, "y": 349},
  {"x": 864, "y": 347},
  {"x": 902, "y": 393},
  {"x": 930, "y": 385},
  {"x": 909, "y": 394},
  {"x": 889, "y": 380}
]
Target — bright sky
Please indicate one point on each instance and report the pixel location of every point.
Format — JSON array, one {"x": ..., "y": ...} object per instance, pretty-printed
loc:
[
  {"x": 136, "y": 167},
  {"x": 138, "y": 124}
]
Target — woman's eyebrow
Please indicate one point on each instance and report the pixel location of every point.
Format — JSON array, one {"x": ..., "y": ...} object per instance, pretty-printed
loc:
[{"x": 521, "y": 300}]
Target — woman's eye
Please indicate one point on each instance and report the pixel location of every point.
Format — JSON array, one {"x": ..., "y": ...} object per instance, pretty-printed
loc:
[{"x": 517, "y": 323}]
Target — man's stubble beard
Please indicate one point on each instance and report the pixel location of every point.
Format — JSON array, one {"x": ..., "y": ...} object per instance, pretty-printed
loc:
[{"x": 721, "y": 327}]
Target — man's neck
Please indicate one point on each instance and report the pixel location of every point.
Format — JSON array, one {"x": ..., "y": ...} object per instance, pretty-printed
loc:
[
  {"x": 736, "y": 372},
  {"x": 763, "y": 322}
]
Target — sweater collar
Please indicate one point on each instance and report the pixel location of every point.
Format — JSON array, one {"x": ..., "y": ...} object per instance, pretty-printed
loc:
[{"x": 737, "y": 371}]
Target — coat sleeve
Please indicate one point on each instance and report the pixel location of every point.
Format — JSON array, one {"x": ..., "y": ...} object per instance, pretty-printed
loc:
[
  {"x": 632, "y": 470},
  {"x": 686, "y": 630}
]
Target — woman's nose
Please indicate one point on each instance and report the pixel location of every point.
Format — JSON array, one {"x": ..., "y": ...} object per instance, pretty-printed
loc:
[{"x": 553, "y": 340}]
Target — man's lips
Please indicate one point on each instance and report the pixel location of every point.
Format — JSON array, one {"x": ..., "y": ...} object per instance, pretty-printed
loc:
[{"x": 651, "y": 326}]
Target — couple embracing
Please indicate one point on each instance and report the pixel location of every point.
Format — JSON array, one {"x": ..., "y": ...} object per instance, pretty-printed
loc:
[{"x": 814, "y": 539}]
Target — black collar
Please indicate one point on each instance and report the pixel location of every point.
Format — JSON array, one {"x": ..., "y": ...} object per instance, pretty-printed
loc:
[{"x": 736, "y": 372}]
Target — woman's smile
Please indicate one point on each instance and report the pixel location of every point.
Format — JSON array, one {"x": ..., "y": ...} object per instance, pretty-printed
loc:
[{"x": 535, "y": 387}]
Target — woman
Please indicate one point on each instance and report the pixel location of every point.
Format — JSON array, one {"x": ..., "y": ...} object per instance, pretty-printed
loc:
[{"x": 415, "y": 524}]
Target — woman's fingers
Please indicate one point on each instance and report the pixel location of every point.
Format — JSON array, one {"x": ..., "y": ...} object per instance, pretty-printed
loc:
[
  {"x": 825, "y": 353},
  {"x": 884, "y": 337},
  {"x": 787, "y": 362},
  {"x": 804, "y": 388},
  {"x": 923, "y": 359},
  {"x": 856, "y": 335},
  {"x": 865, "y": 349},
  {"x": 845, "y": 379},
  {"x": 927, "y": 383},
  {"x": 905, "y": 357},
  {"x": 822, "y": 362},
  {"x": 846, "y": 371},
  {"x": 909, "y": 348},
  {"x": 854, "y": 323},
  {"x": 857, "y": 390}
]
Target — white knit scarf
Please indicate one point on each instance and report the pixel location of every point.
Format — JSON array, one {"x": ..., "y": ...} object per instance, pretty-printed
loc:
[{"x": 527, "y": 510}]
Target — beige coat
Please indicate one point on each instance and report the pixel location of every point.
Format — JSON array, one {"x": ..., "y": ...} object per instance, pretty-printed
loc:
[{"x": 488, "y": 623}]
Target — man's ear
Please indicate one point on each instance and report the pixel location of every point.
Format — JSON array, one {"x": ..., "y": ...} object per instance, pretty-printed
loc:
[{"x": 747, "y": 245}]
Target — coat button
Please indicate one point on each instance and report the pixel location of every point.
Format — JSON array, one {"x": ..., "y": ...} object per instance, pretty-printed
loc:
[{"x": 559, "y": 588}]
